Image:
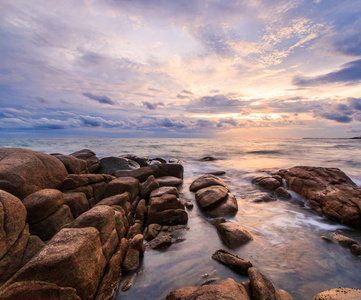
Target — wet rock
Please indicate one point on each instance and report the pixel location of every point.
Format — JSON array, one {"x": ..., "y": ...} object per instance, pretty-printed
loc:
[
  {"x": 262, "y": 287},
  {"x": 209, "y": 281},
  {"x": 217, "y": 221},
  {"x": 148, "y": 186},
  {"x": 142, "y": 161},
  {"x": 141, "y": 211},
  {"x": 23, "y": 172},
  {"x": 73, "y": 258},
  {"x": 154, "y": 162},
  {"x": 217, "y": 173},
  {"x": 121, "y": 185},
  {"x": 160, "y": 242},
  {"x": 233, "y": 261},
  {"x": 228, "y": 207},
  {"x": 233, "y": 234},
  {"x": 210, "y": 196},
  {"x": 74, "y": 181},
  {"x": 77, "y": 202},
  {"x": 30, "y": 290},
  {"x": 48, "y": 227},
  {"x": 327, "y": 190},
  {"x": 133, "y": 255},
  {"x": 135, "y": 229},
  {"x": 282, "y": 193},
  {"x": 42, "y": 204},
  {"x": 325, "y": 238},
  {"x": 181, "y": 293},
  {"x": 206, "y": 181},
  {"x": 12, "y": 216},
  {"x": 355, "y": 249},
  {"x": 128, "y": 282},
  {"x": 72, "y": 164},
  {"x": 269, "y": 183},
  {"x": 108, "y": 165},
  {"x": 344, "y": 240},
  {"x": 169, "y": 181},
  {"x": 122, "y": 200},
  {"x": 91, "y": 159},
  {"x": 189, "y": 204},
  {"x": 164, "y": 190},
  {"x": 208, "y": 158},
  {"x": 264, "y": 198},
  {"x": 339, "y": 294},
  {"x": 152, "y": 231}
]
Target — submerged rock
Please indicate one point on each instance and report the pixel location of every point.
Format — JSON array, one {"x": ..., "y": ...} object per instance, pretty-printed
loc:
[
  {"x": 344, "y": 240},
  {"x": 233, "y": 234}
]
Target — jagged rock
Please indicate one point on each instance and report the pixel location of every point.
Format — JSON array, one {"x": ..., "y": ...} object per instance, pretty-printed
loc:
[
  {"x": 72, "y": 258},
  {"x": 148, "y": 186},
  {"x": 233, "y": 261},
  {"x": 160, "y": 242},
  {"x": 164, "y": 190},
  {"x": 233, "y": 234},
  {"x": 90, "y": 158},
  {"x": 77, "y": 202},
  {"x": 121, "y": 185},
  {"x": 135, "y": 229},
  {"x": 23, "y": 172},
  {"x": 210, "y": 196},
  {"x": 169, "y": 181},
  {"x": 152, "y": 231},
  {"x": 206, "y": 181},
  {"x": 228, "y": 207},
  {"x": 42, "y": 204},
  {"x": 72, "y": 164},
  {"x": 108, "y": 165},
  {"x": 327, "y": 190},
  {"x": 339, "y": 294}
]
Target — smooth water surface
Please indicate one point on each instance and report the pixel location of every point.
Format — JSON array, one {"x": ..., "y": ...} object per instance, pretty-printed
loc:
[{"x": 287, "y": 246}]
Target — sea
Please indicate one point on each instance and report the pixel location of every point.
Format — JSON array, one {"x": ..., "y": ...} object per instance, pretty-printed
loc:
[{"x": 287, "y": 245}]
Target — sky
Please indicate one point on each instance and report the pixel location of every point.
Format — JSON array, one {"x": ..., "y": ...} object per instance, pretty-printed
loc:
[{"x": 180, "y": 68}]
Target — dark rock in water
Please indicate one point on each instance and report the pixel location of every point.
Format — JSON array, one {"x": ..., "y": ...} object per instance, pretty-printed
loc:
[
  {"x": 264, "y": 198},
  {"x": 326, "y": 239},
  {"x": 217, "y": 221},
  {"x": 262, "y": 287},
  {"x": 152, "y": 231},
  {"x": 30, "y": 290},
  {"x": 142, "y": 161},
  {"x": 91, "y": 159},
  {"x": 210, "y": 196},
  {"x": 135, "y": 229},
  {"x": 169, "y": 181},
  {"x": 77, "y": 202},
  {"x": 121, "y": 185},
  {"x": 206, "y": 181},
  {"x": 344, "y": 240},
  {"x": 282, "y": 193},
  {"x": 108, "y": 165},
  {"x": 176, "y": 161},
  {"x": 189, "y": 204},
  {"x": 233, "y": 261},
  {"x": 327, "y": 190},
  {"x": 23, "y": 172},
  {"x": 160, "y": 242},
  {"x": 42, "y": 204},
  {"x": 127, "y": 282},
  {"x": 134, "y": 254},
  {"x": 164, "y": 190},
  {"x": 208, "y": 158},
  {"x": 269, "y": 183},
  {"x": 72, "y": 164},
  {"x": 217, "y": 173},
  {"x": 148, "y": 186},
  {"x": 73, "y": 258},
  {"x": 339, "y": 294},
  {"x": 154, "y": 162},
  {"x": 233, "y": 234},
  {"x": 228, "y": 207},
  {"x": 161, "y": 160},
  {"x": 209, "y": 281},
  {"x": 355, "y": 249}
]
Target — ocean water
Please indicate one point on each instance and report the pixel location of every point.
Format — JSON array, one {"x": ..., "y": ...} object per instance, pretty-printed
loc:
[{"x": 287, "y": 246}]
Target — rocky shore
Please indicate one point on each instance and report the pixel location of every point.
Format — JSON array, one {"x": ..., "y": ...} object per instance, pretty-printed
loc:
[{"x": 72, "y": 226}]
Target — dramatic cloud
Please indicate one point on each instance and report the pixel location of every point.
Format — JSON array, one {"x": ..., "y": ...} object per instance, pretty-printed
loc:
[
  {"x": 340, "y": 118},
  {"x": 349, "y": 73},
  {"x": 100, "y": 99}
]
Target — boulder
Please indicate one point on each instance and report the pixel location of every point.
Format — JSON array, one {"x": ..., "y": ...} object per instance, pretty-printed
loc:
[
  {"x": 152, "y": 231},
  {"x": 228, "y": 207},
  {"x": 164, "y": 190},
  {"x": 208, "y": 158},
  {"x": 232, "y": 261},
  {"x": 148, "y": 186},
  {"x": 206, "y": 181},
  {"x": 282, "y": 193},
  {"x": 12, "y": 221},
  {"x": 48, "y": 227},
  {"x": 110, "y": 245},
  {"x": 344, "y": 240},
  {"x": 72, "y": 258},
  {"x": 77, "y": 202},
  {"x": 167, "y": 201},
  {"x": 160, "y": 242},
  {"x": 269, "y": 183},
  {"x": 135, "y": 229},
  {"x": 181, "y": 293},
  {"x": 142, "y": 161},
  {"x": 262, "y": 287},
  {"x": 121, "y": 185},
  {"x": 211, "y": 196},
  {"x": 34, "y": 245},
  {"x": 217, "y": 221},
  {"x": 169, "y": 181},
  {"x": 90, "y": 158},
  {"x": 167, "y": 217},
  {"x": 122, "y": 200},
  {"x": 327, "y": 190},
  {"x": 42, "y": 204},
  {"x": 134, "y": 254},
  {"x": 23, "y": 172},
  {"x": 73, "y": 181},
  {"x": 141, "y": 211},
  {"x": 355, "y": 249},
  {"x": 108, "y": 165},
  {"x": 72, "y": 164},
  {"x": 283, "y": 295},
  {"x": 339, "y": 294},
  {"x": 233, "y": 234},
  {"x": 30, "y": 290},
  {"x": 264, "y": 197}
]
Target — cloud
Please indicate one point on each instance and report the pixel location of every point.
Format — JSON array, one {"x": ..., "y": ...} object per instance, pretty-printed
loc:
[
  {"x": 100, "y": 99},
  {"x": 334, "y": 116},
  {"x": 354, "y": 103},
  {"x": 152, "y": 106},
  {"x": 42, "y": 100},
  {"x": 100, "y": 122},
  {"x": 216, "y": 104},
  {"x": 166, "y": 122},
  {"x": 350, "y": 46},
  {"x": 349, "y": 73},
  {"x": 13, "y": 112}
]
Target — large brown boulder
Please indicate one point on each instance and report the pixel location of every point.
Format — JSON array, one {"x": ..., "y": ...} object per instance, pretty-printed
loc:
[
  {"x": 211, "y": 196},
  {"x": 91, "y": 159},
  {"x": 233, "y": 234},
  {"x": 206, "y": 181},
  {"x": 148, "y": 186},
  {"x": 228, "y": 207},
  {"x": 72, "y": 258},
  {"x": 77, "y": 202},
  {"x": 327, "y": 190},
  {"x": 23, "y": 172},
  {"x": 73, "y": 181},
  {"x": 108, "y": 165},
  {"x": 339, "y": 294},
  {"x": 164, "y": 190},
  {"x": 169, "y": 181},
  {"x": 262, "y": 287},
  {"x": 72, "y": 164},
  {"x": 231, "y": 260},
  {"x": 121, "y": 185}
]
